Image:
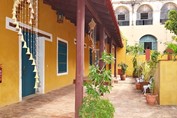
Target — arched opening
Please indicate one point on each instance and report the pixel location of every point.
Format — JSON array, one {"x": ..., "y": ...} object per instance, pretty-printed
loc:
[
  {"x": 164, "y": 11},
  {"x": 122, "y": 16},
  {"x": 144, "y": 15},
  {"x": 148, "y": 42}
]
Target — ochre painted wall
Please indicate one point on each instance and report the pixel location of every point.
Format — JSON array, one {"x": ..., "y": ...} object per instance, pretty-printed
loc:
[
  {"x": 166, "y": 82},
  {"x": 67, "y": 32},
  {"x": 140, "y": 58},
  {"x": 9, "y": 58},
  {"x": 9, "y": 52}
]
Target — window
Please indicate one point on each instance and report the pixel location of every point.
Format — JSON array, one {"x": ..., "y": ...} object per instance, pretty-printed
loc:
[
  {"x": 144, "y": 15},
  {"x": 148, "y": 42},
  {"x": 164, "y": 11},
  {"x": 121, "y": 17},
  {"x": 62, "y": 52}
]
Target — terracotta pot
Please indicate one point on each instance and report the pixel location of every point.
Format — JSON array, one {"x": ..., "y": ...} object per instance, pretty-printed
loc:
[
  {"x": 123, "y": 77},
  {"x": 169, "y": 52},
  {"x": 138, "y": 86},
  {"x": 151, "y": 99}
]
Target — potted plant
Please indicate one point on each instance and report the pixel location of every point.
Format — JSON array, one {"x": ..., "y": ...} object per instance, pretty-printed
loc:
[
  {"x": 135, "y": 51},
  {"x": 171, "y": 50},
  {"x": 123, "y": 70},
  {"x": 94, "y": 105},
  {"x": 152, "y": 97},
  {"x": 145, "y": 74}
]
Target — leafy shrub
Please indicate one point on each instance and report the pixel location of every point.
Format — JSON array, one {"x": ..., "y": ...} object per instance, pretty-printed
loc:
[{"x": 95, "y": 107}]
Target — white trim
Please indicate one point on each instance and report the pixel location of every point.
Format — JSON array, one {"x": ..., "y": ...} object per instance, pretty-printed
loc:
[
  {"x": 41, "y": 67},
  {"x": 9, "y": 20},
  {"x": 20, "y": 70},
  {"x": 41, "y": 63},
  {"x": 62, "y": 40}
]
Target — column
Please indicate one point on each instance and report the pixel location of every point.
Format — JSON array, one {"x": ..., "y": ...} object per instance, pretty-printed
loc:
[{"x": 79, "y": 55}]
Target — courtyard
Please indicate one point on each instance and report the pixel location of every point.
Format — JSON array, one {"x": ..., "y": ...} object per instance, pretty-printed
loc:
[{"x": 128, "y": 102}]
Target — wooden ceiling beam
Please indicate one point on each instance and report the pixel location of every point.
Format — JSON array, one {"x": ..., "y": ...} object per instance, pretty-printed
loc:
[{"x": 92, "y": 11}]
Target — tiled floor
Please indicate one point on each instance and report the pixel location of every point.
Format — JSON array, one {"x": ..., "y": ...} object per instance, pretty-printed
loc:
[{"x": 128, "y": 102}]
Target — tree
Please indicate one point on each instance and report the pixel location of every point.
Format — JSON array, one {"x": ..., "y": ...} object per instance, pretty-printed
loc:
[{"x": 171, "y": 24}]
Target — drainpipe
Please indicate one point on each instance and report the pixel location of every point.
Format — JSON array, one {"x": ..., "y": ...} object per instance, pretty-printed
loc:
[{"x": 79, "y": 55}]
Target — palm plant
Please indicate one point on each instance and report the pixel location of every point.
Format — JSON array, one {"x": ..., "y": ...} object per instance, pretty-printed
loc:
[{"x": 123, "y": 67}]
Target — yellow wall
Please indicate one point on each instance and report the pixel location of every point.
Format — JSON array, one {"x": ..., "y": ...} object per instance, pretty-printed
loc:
[
  {"x": 66, "y": 31},
  {"x": 140, "y": 58},
  {"x": 9, "y": 58},
  {"x": 9, "y": 52},
  {"x": 166, "y": 82},
  {"x": 127, "y": 58}
]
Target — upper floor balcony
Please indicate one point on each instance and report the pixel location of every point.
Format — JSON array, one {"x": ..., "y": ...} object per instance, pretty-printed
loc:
[
  {"x": 162, "y": 21},
  {"x": 144, "y": 22},
  {"x": 123, "y": 23}
]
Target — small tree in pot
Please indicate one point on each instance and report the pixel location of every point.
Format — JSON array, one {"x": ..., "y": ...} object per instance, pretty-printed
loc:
[
  {"x": 94, "y": 104},
  {"x": 152, "y": 97},
  {"x": 123, "y": 70}
]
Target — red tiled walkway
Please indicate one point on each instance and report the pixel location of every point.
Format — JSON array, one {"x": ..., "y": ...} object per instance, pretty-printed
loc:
[{"x": 128, "y": 102}]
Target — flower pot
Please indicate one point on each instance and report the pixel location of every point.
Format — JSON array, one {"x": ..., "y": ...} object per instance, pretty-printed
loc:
[
  {"x": 138, "y": 86},
  {"x": 123, "y": 76},
  {"x": 151, "y": 99}
]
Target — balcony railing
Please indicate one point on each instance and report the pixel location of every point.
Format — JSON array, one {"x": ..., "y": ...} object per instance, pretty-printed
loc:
[
  {"x": 144, "y": 22},
  {"x": 123, "y": 23},
  {"x": 162, "y": 21}
]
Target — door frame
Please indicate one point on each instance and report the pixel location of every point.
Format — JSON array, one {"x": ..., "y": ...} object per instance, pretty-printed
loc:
[
  {"x": 41, "y": 61},
  {"x": 47, "y": 37}
]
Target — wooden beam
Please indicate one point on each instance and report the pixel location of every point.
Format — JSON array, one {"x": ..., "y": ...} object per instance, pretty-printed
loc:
[
  {"x": 79, "y": 55},
  {"x": 92, "y": 11}
]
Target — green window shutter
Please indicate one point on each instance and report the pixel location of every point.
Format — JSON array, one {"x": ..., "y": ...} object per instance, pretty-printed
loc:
[{"x": 62, "y": 57}]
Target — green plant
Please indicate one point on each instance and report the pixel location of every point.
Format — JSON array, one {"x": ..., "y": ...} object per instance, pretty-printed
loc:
[
  {"x": 94, "y": 106},
  {"x": 171, "y": 24},
  {"x": 146, "y": 71},
  {"x": 135, "y": 50},
  {"x": 152, "y": 64},
  {"x": 173, "y": 48},
  {"x": 123, "y": 67},
  {"x": 152, "y": 85}
]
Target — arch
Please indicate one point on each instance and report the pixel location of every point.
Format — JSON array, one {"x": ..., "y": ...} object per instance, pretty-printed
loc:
[
  {"x": 165, "y": 9},
  {"x": 148, "y": 42},
  {"x": 123, "y": 15},
  {"x": 145, "y": 11},
  {"x": 144, "y": 15}
]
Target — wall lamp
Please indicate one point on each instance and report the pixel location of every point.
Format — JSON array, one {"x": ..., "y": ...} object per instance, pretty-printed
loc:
[{"x": 60, "y": 17}]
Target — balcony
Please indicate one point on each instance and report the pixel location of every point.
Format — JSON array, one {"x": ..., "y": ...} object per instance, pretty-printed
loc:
[
  {"x": 144, "y": 22},
  {"x": 123, "y": 23},
  {"x": 162, "y": 21}
]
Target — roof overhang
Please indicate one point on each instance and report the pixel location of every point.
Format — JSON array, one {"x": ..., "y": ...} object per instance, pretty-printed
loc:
[{"x": 100, "y": 10}]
